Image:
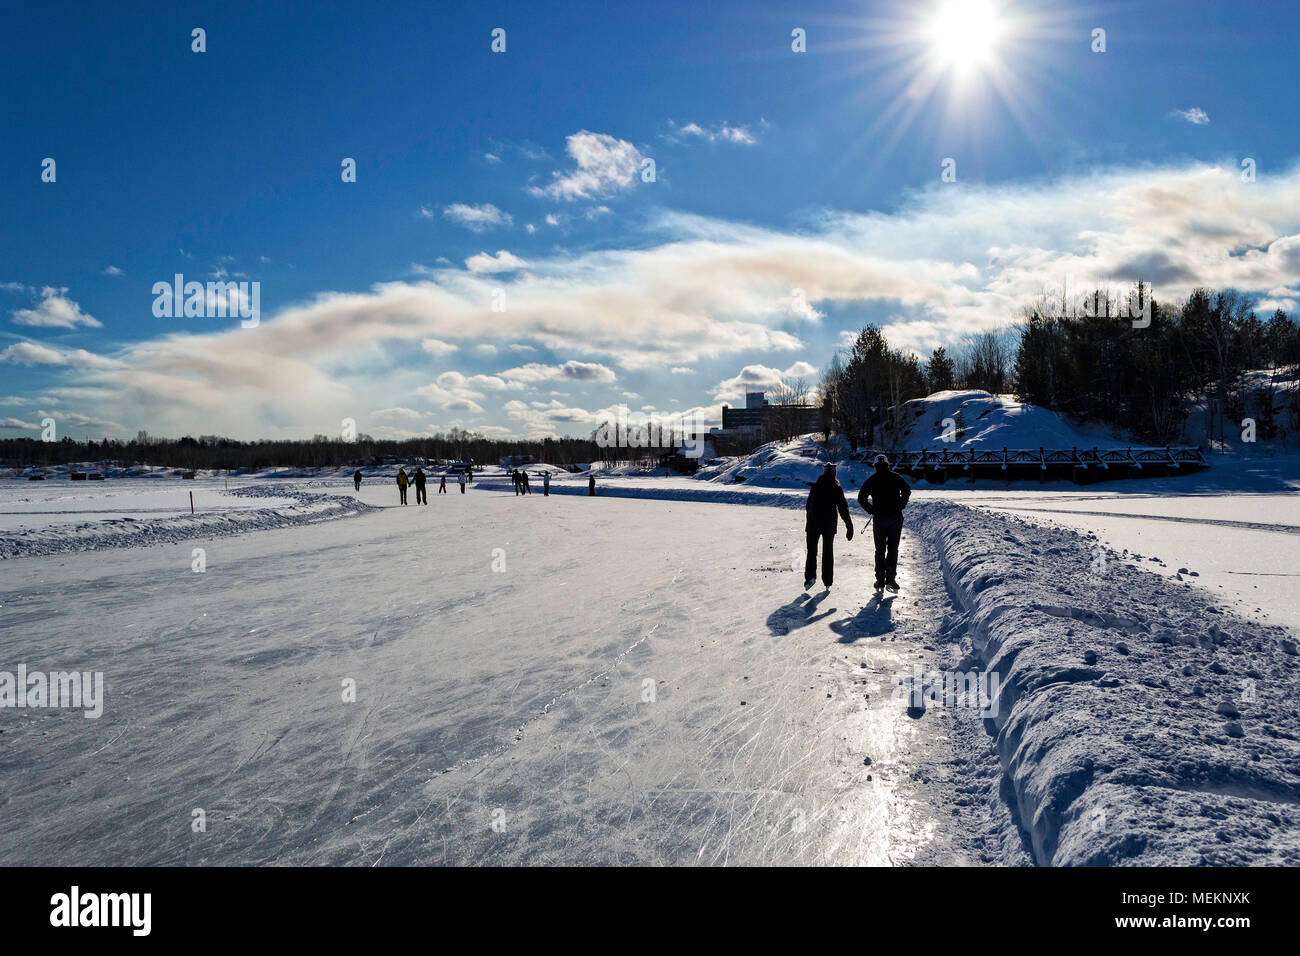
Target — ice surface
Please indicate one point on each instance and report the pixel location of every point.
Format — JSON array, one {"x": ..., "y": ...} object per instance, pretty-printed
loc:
[{"x": 644, "y": 681}]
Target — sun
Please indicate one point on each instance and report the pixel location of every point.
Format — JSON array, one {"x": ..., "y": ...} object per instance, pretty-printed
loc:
[{"x": 964, "y": 35}]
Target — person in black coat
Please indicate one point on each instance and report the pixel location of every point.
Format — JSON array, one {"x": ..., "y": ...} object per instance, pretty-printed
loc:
[
  {"x": 825, "y": 504},
  {"x": 884, "y": 495},
  {"x": 421, "y": 496}
]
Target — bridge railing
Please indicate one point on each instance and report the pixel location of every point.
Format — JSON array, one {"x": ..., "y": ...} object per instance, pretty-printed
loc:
[{"x": 1168, "y": 457}]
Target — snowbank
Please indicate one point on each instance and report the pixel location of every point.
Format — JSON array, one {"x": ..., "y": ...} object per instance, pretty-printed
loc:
[
  {"x": 1137, "y": 723},
  {"x": 307, "y": 508},
  {"x": 982, "y": 420}
]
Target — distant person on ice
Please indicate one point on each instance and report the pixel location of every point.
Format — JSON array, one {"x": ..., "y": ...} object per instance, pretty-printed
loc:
[
  {"x": 401, "y": 483},
  {"x": 523, "y": 477},
  {"x": 884, "y": 496},
  {"x": 461, "y": 477},
  {"x": 421, "y": 496},
  {"x": 591, "y": 484},
  {"x": 356, "y": 479},
  {"x": 825, "y": 503},
  {"x": 546, "y": 484},
  {"x": 442, "y": 485},
  {"x": 514, "y": 478}
]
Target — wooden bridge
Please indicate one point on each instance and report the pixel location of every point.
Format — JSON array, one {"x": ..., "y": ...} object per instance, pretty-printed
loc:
[{"x": 1081, "y": 465}]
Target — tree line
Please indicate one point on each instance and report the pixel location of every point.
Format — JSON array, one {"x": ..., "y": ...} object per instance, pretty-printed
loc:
[
  {"x": 217, "y": 453},
  {"x": 1199, "y": 371}
]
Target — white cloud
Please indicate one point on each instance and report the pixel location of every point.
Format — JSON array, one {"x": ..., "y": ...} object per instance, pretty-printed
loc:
[
  {"x": 760, "y": 378},
  {"x": 1196, "y": 116},
  {"x": 722, "y": 132},
  {"x": 33, "y": 353},
  {"x": 546, "y": 421},
  {"x": 477, "y": 218},
  {"x": 55, "y": 311},
  {"x": 503, "y": 261},
  {"x": 572, "y": 371},
  {"x": 437, "y": 347},
  {"x": 604, "y": 165},
  {"x": 18, "y": 424},
  {"x": 83, "y": 421},
  {"x": 397, "y": 412},
  {"x": 113, "y": 271}
]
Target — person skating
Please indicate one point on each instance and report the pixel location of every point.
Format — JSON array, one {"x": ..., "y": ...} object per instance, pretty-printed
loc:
[
  {"x": 546, "y": 484},
  {"x": 591, "y": 484},
  {"x": 523, "y": 477},
  {"x": 825, "y": 503},
  {"x": 461, "y": 478},
  {"x": 514, "y": 480},
  {"x": 884, "y": 495},
  {"x": 421, "y": 496},
  {"x": 401, "y": 483},
  {"x": 356, "y": 479},
  {"x": 442, "y": 485}
]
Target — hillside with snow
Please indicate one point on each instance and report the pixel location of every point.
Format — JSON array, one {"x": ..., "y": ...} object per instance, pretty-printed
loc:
[{"x": 959, "y": 420}]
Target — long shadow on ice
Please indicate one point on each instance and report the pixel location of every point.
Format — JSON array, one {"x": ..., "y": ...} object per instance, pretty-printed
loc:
[
  {"x": 875, "y": 618},
  {"x": 800, "y": 612}
]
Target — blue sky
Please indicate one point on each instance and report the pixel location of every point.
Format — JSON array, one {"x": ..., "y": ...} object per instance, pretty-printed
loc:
[{"x": 796, "y": 196}]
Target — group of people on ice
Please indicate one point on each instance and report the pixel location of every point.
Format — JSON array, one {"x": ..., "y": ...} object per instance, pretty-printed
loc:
[
  {"x": 419, "y": 480},
  {"x": 522, "y": 487},
  {"x": 883, "y": 495}
]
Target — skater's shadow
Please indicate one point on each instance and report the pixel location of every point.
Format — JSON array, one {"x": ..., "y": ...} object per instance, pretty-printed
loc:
[
  {"x": 800, "y": 612},
  {"x": 875, "y": 619}
]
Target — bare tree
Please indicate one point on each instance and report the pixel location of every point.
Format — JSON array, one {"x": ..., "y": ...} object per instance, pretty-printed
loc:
[{"x": 785, "y": 416}]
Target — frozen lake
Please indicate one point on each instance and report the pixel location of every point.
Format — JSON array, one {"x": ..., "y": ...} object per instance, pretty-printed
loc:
[{"x": 638, "y": 681}]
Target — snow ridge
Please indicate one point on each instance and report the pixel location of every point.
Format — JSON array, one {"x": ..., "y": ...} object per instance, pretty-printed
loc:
[
  {"x": 1137, "y": 724},
  {"x": 130, "y": 532}
]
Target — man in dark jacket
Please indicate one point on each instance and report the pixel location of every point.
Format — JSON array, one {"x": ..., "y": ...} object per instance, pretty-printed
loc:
[
  {"x": 421, "y": 496},
  {"x": 825, "y": 503},
  {"x": 884, "y": 496}
]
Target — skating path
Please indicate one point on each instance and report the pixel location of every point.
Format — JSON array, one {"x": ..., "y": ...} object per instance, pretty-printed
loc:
[{"x": 636, "y": 682}]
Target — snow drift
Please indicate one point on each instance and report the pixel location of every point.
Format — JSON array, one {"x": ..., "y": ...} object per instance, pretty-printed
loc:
[
  {"x": 308, "y": 508},
  {"x": 1138, "y": 724}
]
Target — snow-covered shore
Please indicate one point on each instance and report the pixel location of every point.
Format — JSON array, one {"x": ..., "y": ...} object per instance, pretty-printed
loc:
[{"x": 291, "y": 507}]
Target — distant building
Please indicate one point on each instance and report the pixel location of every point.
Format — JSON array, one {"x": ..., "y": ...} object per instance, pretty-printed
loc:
[{"x": 752, "y": 420}]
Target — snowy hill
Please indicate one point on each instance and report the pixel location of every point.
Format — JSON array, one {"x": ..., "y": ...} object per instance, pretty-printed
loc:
[{"x": 975, "y": 419}]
